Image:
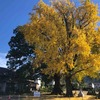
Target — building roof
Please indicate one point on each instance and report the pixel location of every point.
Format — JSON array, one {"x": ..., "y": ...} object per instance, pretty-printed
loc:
[
  {"x": 5, "y": 74},
  {"x": 4, "y": 71}
]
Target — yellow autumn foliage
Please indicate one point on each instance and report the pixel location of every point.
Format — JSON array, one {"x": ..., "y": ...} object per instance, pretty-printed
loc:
[{"x": 64, "y": 37}]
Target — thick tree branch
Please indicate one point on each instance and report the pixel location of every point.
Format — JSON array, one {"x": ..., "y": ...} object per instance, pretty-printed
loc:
[
  {"x": 48, "y": 38},
  {"x": 80, "y": 71}
]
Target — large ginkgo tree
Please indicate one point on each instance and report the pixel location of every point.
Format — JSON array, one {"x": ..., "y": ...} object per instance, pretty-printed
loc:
[{"x": 66, "y": 38}]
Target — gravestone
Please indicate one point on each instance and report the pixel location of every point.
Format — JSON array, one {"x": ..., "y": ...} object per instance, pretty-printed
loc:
[{"x": 36, "y": 94}]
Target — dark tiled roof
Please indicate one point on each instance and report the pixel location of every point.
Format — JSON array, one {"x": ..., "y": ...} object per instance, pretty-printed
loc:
[
  {"x": 5, "y": 74},
  {"x": 4, "y": 71}
]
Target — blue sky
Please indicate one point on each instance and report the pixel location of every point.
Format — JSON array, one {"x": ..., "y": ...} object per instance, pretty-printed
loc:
[{"x": 12, "y": 14}]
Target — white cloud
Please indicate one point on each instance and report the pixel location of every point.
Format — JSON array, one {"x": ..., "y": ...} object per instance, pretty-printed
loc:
[{"x": 3, "y": 60}]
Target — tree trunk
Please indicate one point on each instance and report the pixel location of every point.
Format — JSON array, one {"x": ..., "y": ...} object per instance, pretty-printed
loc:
[
  {"x": 57, "y": 86},
  {"x": 69, "y": 92},
  {"x": 98, "y": 95}
]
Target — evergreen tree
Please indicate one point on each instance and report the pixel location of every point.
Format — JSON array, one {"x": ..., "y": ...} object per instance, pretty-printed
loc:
[{"x": 20, "y": 56}]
